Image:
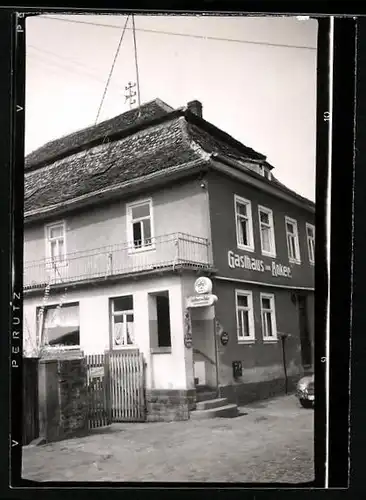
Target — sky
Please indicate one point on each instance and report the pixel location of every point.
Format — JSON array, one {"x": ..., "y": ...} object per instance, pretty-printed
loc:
[{"x": 258, "y": 84}]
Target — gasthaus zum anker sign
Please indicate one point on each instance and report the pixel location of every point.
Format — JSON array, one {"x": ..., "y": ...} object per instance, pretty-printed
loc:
[{"x": 251, "y": 264}]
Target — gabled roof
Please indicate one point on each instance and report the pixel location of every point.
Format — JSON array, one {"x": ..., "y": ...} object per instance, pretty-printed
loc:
[{"x": 153, "y": 140}]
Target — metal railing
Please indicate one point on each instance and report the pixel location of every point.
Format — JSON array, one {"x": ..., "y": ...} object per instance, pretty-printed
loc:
[{"x": 175, "y": 250}]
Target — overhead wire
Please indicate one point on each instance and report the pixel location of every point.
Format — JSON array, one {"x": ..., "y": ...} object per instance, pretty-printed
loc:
[{"x": 189, "y": 35}]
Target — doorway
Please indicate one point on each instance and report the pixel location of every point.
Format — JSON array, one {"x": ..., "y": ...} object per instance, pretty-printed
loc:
[{"x": 305, "y": 339}]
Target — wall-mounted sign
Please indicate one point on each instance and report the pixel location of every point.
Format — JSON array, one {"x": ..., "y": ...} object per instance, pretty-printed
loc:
[
  {"x": 203, "y": 285},
  {"x": 201, "y": 300},
  {"x": 224, "y": 337},
  {"x": 237, "y": 369},
  {"x": 252, "y": 264},
  {"x": 188, "y": 341}
]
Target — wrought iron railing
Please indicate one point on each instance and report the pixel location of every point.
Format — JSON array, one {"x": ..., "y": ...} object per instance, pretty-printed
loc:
[{"x": 170, "y": 251}]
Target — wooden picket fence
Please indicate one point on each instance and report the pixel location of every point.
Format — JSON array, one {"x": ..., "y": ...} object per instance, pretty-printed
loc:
[{"x": 116, "y": 387}]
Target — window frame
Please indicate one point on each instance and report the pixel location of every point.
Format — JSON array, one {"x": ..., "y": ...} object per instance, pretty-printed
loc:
[
  {"x": 47, "y": 229},
  {"x": 125, "y": 313},
  {"x": 130, "y": 240},
  {"x": 251, "y": 337},
  {"x": 269, "y": 212},
  {"x": 248, "y": 203},
  {"x": 297, "y": 258},
  {"x": 54, "y": 306},
  {"x": 312, "y": 226},
  {"x": 271, "y": 297}
]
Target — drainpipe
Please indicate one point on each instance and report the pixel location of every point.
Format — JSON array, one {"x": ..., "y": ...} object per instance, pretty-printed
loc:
[
  {"x": 216, "y": 358},
  {"x": 283, "y": 342}
]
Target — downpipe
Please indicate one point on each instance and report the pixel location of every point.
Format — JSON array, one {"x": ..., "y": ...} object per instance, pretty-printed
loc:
[{"x": 283, "y": 337}]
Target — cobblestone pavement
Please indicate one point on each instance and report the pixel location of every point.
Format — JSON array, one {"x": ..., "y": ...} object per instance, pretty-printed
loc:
[{"x": 271, "y": 441}]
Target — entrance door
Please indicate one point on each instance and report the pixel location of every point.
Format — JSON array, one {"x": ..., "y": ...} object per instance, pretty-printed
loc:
[{"x": 305, "y": 340}]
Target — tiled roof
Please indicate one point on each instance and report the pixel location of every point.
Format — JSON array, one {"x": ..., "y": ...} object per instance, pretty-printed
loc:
[
  {"x": 156, "y": 140},
  {"x": 54, "y": 149}
]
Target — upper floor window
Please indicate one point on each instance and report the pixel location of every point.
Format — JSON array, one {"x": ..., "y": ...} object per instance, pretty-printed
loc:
[
  {"x": 267, "y": 235},
  {"x": 244, "y": 224},
  {"x": 55, "y": 242},
  {"x": 268, "y": 313},
  {"x": 292, "y": 236},
  {"x": 122, "y": 321},
  {"x": 140, "y": 227},
  {"x": 244, "y": 315},
  {"x": 310, "y": 235}
]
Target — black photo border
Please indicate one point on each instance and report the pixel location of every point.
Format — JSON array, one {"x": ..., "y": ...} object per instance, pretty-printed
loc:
[{"x": 343, "y": 198}]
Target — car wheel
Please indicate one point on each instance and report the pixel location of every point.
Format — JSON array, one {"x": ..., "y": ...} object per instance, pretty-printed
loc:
[{"x": 305, "y": 403}]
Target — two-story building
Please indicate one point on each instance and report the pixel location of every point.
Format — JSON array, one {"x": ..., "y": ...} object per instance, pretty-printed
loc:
[{"x": 120, "y": 221}]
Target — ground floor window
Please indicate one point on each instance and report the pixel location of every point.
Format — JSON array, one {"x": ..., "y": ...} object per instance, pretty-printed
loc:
[
  {"x": 268, "y": 314},
  {"x": 122, "y": 321},
  {"x": 244, "y": 314},
  {"x": 60, "y": 325}
]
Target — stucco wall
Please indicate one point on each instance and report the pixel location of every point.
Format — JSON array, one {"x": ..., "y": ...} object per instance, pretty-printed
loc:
[
  {"x": 180, "y": 207},
  {"x": 222, "y": 215},
  {"x": 165, "y": 371}
]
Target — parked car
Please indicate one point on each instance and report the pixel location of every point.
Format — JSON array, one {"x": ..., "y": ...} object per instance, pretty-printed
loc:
[{"x": 305, "y": 391}]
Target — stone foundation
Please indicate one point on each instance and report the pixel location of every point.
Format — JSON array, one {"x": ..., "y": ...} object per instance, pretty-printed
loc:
[
  {"x": 167, "y": 405},
  {"x": 245, "y": 393}
]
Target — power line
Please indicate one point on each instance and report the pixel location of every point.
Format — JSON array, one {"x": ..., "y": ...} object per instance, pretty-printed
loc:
[
  {"x": 202, "y": 37},
  {"x": 111, "y": 71}
]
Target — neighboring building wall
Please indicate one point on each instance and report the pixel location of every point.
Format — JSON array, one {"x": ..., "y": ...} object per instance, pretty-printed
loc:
[
  {"x": 165, "y": 370},
  {"x": 180, "y": 207},
  {"x": 222, "y": 213},
  {"x": 262, "y": 362}
]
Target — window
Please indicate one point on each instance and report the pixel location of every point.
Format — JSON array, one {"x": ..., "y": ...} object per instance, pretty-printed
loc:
[
  {"x": 55, "y": 242},
  {"x": 122, "y": 322},
  {"x": 60, "y": 325},
  {"x": 269, "y": 329},
  {"x": 244, "y": 224},
  {"x": 292, "y": 240},
  {"x": 266, "y": 227},
  {"x": 310, "y": 233},
  {"x": 244, "y": 314},
  {"x": 140, "y": 224}
]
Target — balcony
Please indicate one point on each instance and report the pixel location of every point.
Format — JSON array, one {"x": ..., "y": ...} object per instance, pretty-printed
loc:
[{"x": 174, "y": 251}]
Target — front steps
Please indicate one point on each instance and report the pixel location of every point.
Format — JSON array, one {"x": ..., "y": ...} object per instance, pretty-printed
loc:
[{"x": 214, "y": 408}]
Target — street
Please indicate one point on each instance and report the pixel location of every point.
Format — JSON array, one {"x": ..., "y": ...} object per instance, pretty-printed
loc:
[{"x": 272, "y": 441}]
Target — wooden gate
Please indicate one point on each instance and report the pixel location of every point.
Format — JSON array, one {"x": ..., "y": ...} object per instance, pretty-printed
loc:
[{"x": 116, "y": 388}]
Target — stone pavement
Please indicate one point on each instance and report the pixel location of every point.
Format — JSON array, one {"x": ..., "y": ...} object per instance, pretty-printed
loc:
[{"x": 271, "y": 441}]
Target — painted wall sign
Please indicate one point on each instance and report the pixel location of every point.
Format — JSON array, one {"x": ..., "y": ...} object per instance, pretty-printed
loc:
[
  {"x": 252, "y": 264},
  {"x": 203, "y": 285},
  {"x": 201, "y": 300},
  {"x": 224, "y": 337}
]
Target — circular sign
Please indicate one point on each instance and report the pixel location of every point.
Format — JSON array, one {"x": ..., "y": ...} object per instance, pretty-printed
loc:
[
  {"x": 224, "y": 337},
  {"x": 203, "y": 285}
]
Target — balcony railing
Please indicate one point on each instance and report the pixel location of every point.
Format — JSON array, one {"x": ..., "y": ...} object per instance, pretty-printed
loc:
[{"x": 174, "y": 251}]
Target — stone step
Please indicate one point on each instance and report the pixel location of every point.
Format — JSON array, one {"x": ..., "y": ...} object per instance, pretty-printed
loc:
[
  {"x": 211, "y": 403},
  {"x": 205, "y": 395},
  {"x": 227, "y": 411}
]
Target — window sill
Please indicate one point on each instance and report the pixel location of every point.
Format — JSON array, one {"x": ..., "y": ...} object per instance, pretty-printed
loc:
[
  {"x": 269, "y": 254},
  {"x": 245, "y": 249},
  {"x": 146, "y": 248},
  {"x": 249, "y": 341},
  {"x": 161, "y": 350},
  {"x": 312, "y": 263},
  {"x": 124, "y": 347},
  {"x": 270, "y": 341},
  {"x": 294, "y": 261}
]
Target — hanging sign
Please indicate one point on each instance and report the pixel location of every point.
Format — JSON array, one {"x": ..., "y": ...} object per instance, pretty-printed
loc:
[
  {"x": 201, "y": 300},
  {"x": 203, "y": 285},
  {"x": 224, "y": 337}
]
